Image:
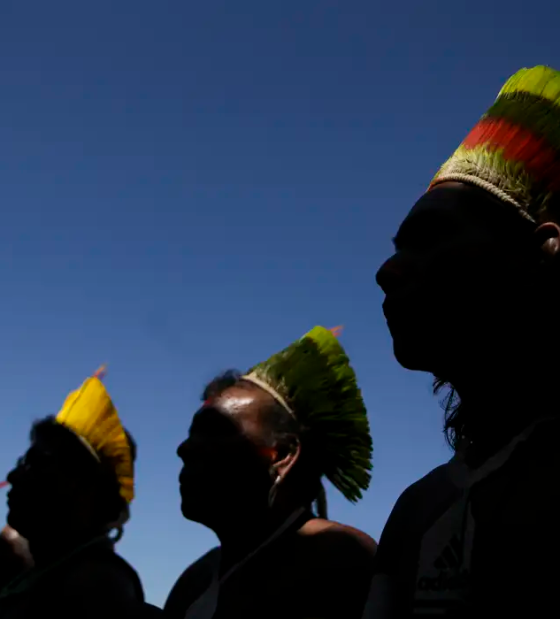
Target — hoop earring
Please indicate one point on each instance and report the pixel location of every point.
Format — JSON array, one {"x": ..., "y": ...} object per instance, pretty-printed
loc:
[
  {"x": 117, "y": 535},
  {"x": 273, "y": 492}
]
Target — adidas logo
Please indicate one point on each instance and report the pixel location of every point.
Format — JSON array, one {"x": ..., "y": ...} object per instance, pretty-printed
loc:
[
  {"x": 451, "y": 556},
  {"x": 451, "y": 575}
]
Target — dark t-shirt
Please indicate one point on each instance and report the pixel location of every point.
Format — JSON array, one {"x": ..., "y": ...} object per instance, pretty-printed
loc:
[
  {"x": 94, "y": 584},
  {"x": 513, "y": 568}
]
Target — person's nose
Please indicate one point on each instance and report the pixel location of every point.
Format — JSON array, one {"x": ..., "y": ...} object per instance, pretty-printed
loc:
[
  {"x": 181, "y": 449},
  {"x": 389, "y": 274},
  {"x": 187, "y": 448},
  {"x": 15, "y": 475}
]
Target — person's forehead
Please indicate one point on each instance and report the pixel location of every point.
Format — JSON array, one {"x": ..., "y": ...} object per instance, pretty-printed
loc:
[
  {"x": 40, "y": 456},
  {"x": 238, "y": 400},
  {"x": 56, "y": 450},
  {"x": 448, "y": 201},
  {"x": 40, "y": 446},
  {"x": 239, "y": 405},
  {"x": 467, "y": 207}
]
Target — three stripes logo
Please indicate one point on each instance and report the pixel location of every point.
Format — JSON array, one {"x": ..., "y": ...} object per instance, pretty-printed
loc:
[
  {"x": 443, "y": 584},
  {"x": 449, "y": 574}
]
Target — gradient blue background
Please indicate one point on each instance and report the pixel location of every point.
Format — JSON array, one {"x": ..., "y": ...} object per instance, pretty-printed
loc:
[{"x": 190, "y": 186}]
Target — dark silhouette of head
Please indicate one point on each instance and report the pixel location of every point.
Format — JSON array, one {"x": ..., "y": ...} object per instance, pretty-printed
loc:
[
  {"x": 60, "y": 490},
  {"x": 472, "y": 295},
  {"x": 245, "y": 455}
]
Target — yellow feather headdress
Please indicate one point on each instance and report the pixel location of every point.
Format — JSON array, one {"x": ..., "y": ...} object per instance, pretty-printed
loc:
[{"x": 90, "y": 414}]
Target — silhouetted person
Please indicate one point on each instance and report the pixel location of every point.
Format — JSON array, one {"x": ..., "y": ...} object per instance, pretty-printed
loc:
[
  {"x": 253, "y": 463},
  {"x": 473, "y": 297},
  {"x": 71, "y": 488}
]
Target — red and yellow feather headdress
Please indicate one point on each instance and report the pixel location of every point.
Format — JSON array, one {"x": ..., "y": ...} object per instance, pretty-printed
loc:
[{"x": 513, "y": 152}]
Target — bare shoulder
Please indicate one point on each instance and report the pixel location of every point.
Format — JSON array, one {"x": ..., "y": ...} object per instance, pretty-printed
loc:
[
  {"x": 14, "y": 555},
  {"x": 344, "y": 539},
  {"x": 19, "y": 545},
  {"x": 336, "y": 564}
]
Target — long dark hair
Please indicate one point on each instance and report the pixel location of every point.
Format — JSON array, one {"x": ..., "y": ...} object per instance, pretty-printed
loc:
[{"x": 453, "y": 414}]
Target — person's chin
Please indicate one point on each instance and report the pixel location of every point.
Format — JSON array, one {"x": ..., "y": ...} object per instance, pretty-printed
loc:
[
  {"x": 193, "y": 512},
  {"x": 191, "y": 503},
  {"x": 412, "y": 353},
  {"x": 15, "y": 522}
]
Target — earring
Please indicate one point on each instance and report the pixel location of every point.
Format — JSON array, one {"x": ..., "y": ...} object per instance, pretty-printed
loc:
[
  {"x": 273, "y": 492},
  {"x": 117, "y": 535}
]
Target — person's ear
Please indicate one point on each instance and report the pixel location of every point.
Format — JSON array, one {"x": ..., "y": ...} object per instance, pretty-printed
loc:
[
  {"x": 548, "y": 239},
  {"x": 285, "y": 461}
]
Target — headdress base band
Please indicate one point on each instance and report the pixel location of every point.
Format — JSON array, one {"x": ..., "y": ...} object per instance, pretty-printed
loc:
[
  {"x": 253, "y": 379},
  {"x": 86, "y": 443},
  {"x": 486, "y": 185}
]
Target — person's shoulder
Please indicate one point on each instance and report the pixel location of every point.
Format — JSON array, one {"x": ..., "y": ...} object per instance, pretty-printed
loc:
[
  {"x": 415, "y": 508},
  {"x": 192, "y": 582},
  {"x": 147, "y": 610},
  {"x": 203, "y": 566},
  {"x": 336, "y": 563},
  {"x": 99, "y": 585},
  {"x": 427, "y": 486},
  {"x": 344, "y": 540},
  {"x": 105, "y": 573}
]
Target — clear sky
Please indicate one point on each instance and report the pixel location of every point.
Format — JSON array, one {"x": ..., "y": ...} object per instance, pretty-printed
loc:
[{"x": 190, "y": 186}]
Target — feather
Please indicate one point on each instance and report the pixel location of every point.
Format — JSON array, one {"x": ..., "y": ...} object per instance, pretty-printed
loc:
[
  {"x": 314, "y": 377},
  {"x": 514, "y": 150},
  {"x": 90, "y": 413}
]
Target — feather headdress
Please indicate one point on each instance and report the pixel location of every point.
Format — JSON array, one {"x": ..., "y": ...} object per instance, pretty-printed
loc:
[
  {"x": 90, "y": 414},
  {"x": 313, "y": 380},
  {"x": 514, "y": 150}
]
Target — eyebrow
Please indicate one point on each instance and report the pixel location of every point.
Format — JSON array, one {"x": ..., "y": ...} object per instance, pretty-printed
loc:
[
  {"x": 425, "y": 222},
  {"x": 201, "y": 413},
  {"x": 208, "y": 414},
  {"x": 406, "y": 227}
]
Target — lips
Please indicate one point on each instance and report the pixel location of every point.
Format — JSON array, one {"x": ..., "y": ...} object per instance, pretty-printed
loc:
[
  {"x": 14, "y": 497},
  {"x": 385, "y": 307},
  {"x": 185, "y": 476},
  {"x": 404, "y": 299},
  {"x": 391, "y": 307},
  {"x": 187, "y": 479}
]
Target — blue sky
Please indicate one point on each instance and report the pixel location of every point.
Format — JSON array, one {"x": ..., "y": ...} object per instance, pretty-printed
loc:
[{"x": 190, "y": 186}]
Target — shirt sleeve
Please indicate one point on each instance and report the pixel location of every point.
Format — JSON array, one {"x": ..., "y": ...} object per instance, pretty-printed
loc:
[
  {"x": 392, "y": 585},
  {"x": 383, "y": 596},
  {"x": 101, "y": 589}
]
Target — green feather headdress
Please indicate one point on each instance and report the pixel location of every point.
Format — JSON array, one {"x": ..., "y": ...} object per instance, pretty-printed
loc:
[
  {"x": 513, "y": 151},
  {"x": 313, "y": 380}
]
